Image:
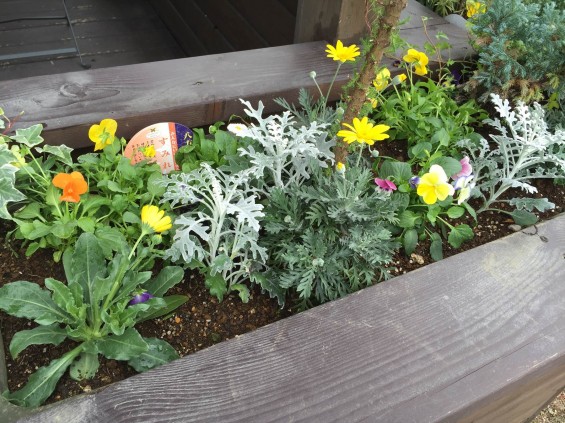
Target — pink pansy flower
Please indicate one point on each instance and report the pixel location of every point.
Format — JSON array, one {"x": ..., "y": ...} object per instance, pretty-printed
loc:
[
  {"x": 385, "y": 184},
  {"x": 466, "y": 169}
]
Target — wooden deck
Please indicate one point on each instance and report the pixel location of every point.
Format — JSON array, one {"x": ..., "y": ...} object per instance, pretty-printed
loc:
[
  {"x": 478, "y": 337},
  {"x": 109, "y": 33}
]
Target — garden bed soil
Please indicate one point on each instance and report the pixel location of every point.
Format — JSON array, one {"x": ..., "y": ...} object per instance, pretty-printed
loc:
[{"x": 203, "y": 321}]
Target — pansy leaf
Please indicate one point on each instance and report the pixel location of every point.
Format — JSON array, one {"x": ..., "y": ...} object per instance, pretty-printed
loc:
[
  {"x": 436, "y": 247},
  {"x": 409, "y": 241},
  {"x": 51, "y": 334},
  {"x": 459, "y": 234},
  {"x": 158, "y": 352},
  {"x": 449, "y": 165},
  {"x": 455, "y": 212}
]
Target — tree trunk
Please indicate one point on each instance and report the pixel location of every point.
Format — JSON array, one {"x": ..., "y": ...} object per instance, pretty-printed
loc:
[{"x": 386, "y": 14}]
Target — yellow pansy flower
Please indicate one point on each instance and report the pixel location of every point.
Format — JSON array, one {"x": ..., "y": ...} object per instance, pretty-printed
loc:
[
  {"x": 418, "y": 59},
  {"x": 434, "y": 185},
  {"x": 103, "y": 134},
  {"x": 381, "y": 80}
]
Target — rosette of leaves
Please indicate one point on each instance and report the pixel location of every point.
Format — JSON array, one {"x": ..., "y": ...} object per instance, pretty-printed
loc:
[
  {"x": 219, "y": 227},
  {"x": 523, "y": 150},
  {"x": 213, "y": 150},
  {"x": 284, "y": 154},
  {"x": 520, "y": 46},
  {"x": 329, "y": 238},
  {"x": 93, "y": 310}
]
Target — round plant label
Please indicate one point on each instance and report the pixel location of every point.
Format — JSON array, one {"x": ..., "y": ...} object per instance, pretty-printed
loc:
[{"x": 158, "y": 143}]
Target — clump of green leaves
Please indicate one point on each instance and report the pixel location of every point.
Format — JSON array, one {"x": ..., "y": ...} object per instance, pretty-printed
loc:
[
  {"x": 214, "y": 149},
  {"x": 444, "y": 7},
  {"x": 523, "y": 150},
  {"x": 92, "y": 308},
  {"x": 328, "y": 238},
  {"x": 520, "y": 46}
]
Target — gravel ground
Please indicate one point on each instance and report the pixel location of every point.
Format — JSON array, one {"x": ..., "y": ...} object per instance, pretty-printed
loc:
[{"x": 554, "y": 412}]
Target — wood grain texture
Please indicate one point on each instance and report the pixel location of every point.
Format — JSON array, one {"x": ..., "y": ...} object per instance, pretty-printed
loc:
[
  {"x": 477, "y": 337},
  {"x": 193, "y": 91}
]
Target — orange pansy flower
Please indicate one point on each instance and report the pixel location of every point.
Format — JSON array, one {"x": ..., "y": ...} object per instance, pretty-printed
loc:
[{"x": 73, "y": 185}]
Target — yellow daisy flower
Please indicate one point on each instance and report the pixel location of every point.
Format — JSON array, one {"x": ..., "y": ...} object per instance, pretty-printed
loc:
[
  {"x": 341, "y": 53},
  {"x": 155, "y": 218},
  {"x": 363, "y": 132}
]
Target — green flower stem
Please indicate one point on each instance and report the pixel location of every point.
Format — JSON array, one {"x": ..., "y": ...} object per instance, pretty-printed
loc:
[
  {"x": 332, "y": 84},
  {"x": 143, "y": 233},
  {"x": 360, "y": 154},
  {"x": 446, "y": 222}
]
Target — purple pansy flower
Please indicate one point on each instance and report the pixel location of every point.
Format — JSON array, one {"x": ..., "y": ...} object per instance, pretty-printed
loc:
[
  {"x": 140, "y": 297},
  {"x": 414, "y": 181},
  {"x": 466, "y": 169},
  {"x": 385, "y": 184}
]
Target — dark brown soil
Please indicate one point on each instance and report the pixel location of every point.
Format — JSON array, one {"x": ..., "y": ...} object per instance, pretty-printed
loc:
[{"x": 201, "y": 322}]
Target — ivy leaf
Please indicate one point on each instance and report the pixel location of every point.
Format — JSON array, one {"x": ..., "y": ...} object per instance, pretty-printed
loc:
[
  {"x": 122, "y": 347},
  {"x": 29, "y": 136},
  {"x": 62, "y": 152},
  {"x": 27, "y": 299},
  {"x": 158, "y": 352},
  {"x": 8, "y": 191},
  {"x": 51, "y": 334}
]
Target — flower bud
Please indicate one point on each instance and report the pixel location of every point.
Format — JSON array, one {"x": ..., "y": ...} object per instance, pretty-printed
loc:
[{"x": 313, "y": 75}]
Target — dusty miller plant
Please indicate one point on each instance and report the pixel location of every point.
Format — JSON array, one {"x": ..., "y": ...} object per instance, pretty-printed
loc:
[
  {"x": 328, "y": 238},
  {"x": 523, "y": 150},
  {"x": 219, "y": 228},
  {"x": 284, "y": 154}
]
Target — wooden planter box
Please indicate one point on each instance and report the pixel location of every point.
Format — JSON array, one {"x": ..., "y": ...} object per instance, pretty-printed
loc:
[{"x": 476, "y": 337}]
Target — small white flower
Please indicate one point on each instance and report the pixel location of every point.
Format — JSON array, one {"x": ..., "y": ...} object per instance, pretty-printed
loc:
[{"x": 237, "y": 129}]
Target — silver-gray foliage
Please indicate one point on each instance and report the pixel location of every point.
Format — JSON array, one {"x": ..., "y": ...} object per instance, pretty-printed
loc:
[{"x": 523, "y": 150}]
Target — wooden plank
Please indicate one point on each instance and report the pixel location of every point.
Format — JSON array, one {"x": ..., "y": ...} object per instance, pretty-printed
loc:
[
  {"x": 477, "y": 337},
  {"x": 193, "y": 91},
  {"x": 291, "y": 6},
  {"x": 227, "y": 19},
  {"x": 269, "y": 18},
  {"x": 180, "y": 29}
]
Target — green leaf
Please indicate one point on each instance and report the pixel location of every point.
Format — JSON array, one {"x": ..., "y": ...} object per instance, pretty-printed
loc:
[
  {"x": 459, "y": 234},
  {"x": 51, "y": 334},
  {"x": 61, "y": 294},
  {"x": 524, "y": 218},
  {"x": 159, "y": 352},
  {"x": 132, "y": 218},
  {"x": 42, "y": 383},
  {"x": 155, "y": 184},
  {"x": 27, "y": 299},
  {"x": 470, "y": 210},
  {"x": 29, "y": 136},
  {"x": 165, "y": 280},
  {"x": 408, "y": 219},
  {"x": 87, "y": 263},
  {"x": 441, "y": 137},
  {"x": 122, "y": 347},
  {"x": 209, "y": 150},
  {"x": 269, "y": 285},
  {"x": 110, "y": 239},
  {"x": 409, "y": 241},
  {"x": 40, "y": 230},
  {"x": 31, "y": 211},
  {"x": 85, "y": 367},
  {"x": 217, "y": 286},
  {"x": 432, "y": 213},
  {"x": 242, "y": 290},
  {"x": 421, "y": 150},
  {"x": 87, "y": 224},
  {"x": 449, "y": 165},
  {"x": 455, "y": 212},
  {"x": 436, "y": 247},
  {"x": 126, "y": 169},
  {"x": 400, "y": 171},
  {"x": 62, "y": 152},
  {"x": 64, "y": 230},
  {"x": 52, "y": 196},
  {"x": 8, "y": 191},
  {"x": 172, "y": 302}
]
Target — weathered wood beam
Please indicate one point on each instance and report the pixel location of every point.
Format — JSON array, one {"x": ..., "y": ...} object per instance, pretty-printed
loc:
[
  {"x": 330, "y": 20},
  {"x": 477, "y": 337}
]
